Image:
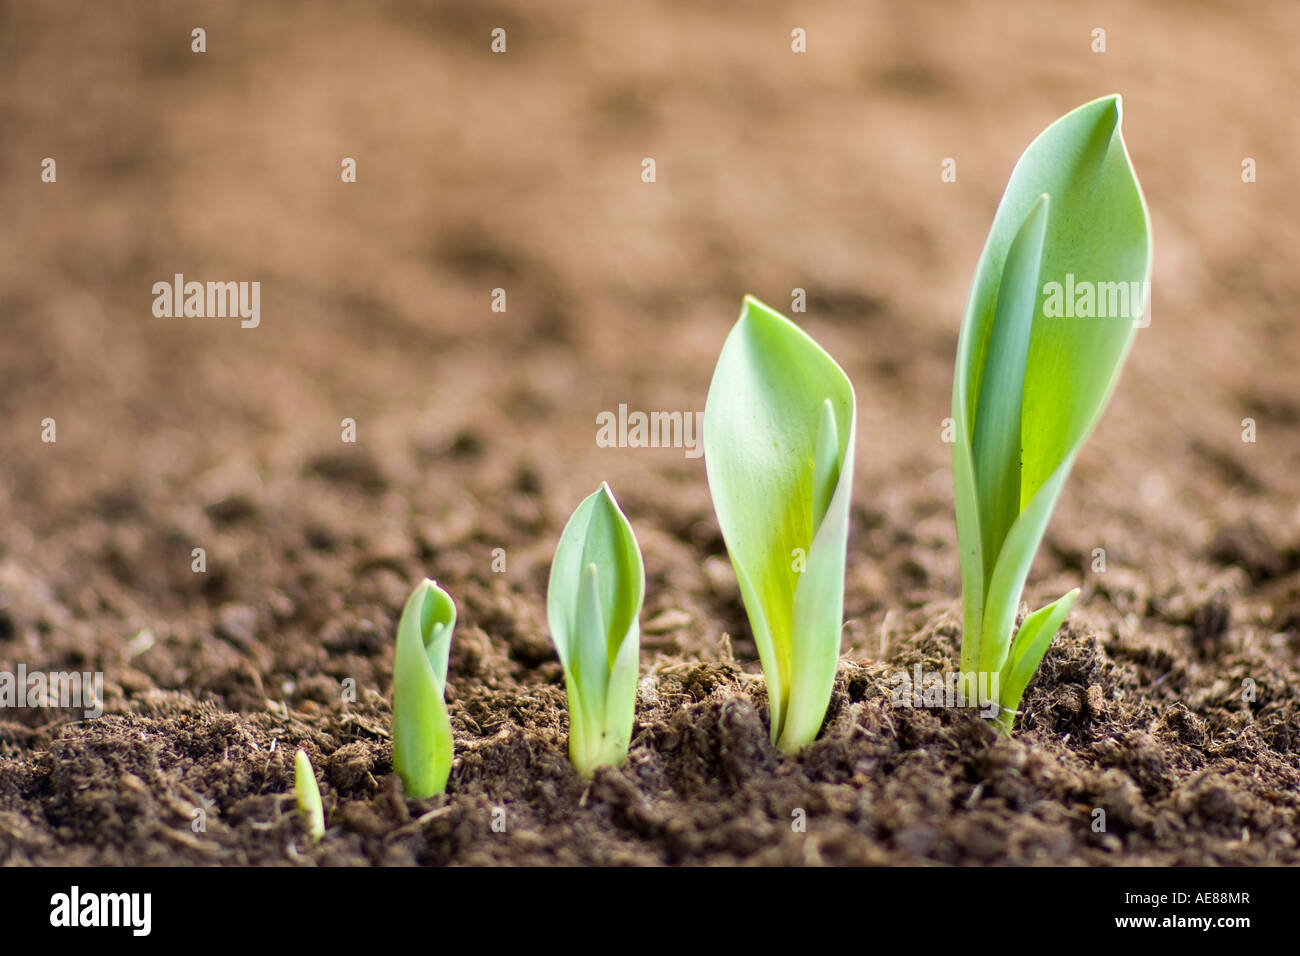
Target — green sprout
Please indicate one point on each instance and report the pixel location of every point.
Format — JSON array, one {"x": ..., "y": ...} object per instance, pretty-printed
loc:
[
  {"x": 421, "y": 727},
  {"x": 308, "y": 793},
  {"x": 1059, "y": 289},
  {"x": 778, "y": 446},
  {"x": 593, "y": 605}
]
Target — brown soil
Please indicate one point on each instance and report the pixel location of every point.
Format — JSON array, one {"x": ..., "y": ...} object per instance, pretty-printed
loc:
[{"x": 476, "y": 429}]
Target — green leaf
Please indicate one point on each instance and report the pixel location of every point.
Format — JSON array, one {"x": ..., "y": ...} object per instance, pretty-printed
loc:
[
  {"x": 422, "y": 741},
  {"x": 590, "y": 658},
  {"x": 1034, "y": 372},
  {"x": 1027, "y": 652},
  {"x": 995, "y": 446},
  {"x": 593, "y": 606},
  {"x": 826, "y": 463},
  {"x": 779, "y": 427}
]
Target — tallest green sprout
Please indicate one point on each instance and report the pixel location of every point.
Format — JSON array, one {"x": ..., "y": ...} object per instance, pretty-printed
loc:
[{"x": 1059, "y": 290}]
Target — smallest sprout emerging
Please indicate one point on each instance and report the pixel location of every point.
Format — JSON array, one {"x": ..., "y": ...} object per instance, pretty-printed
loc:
[
  {"x": 593, "y": 605},
  {"x": 308, "y": 793},
  {"x": 421, "y": 727}
]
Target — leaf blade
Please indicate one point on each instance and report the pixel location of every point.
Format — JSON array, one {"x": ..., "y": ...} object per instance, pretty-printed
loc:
[
  {"x": 1098, "y": 231},
  {"x": 996, "y": 446},
  {"x": 767, "y": 431},
  {"x": 1031, "y": 643},
  {"x": 593, "y": 602},
  {"x": 422, "y": 738}
]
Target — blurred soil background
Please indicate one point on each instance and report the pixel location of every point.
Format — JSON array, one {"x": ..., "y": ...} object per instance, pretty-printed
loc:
[{"x": 476, "y": 429}]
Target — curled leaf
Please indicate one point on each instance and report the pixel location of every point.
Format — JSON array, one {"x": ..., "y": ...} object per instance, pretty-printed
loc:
[
  {"x": 422, "y": 742},
  {"x": 593, "y": 606}
]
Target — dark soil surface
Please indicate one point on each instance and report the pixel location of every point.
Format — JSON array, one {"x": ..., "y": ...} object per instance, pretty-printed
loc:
[{"x": 476, "y": 429}]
